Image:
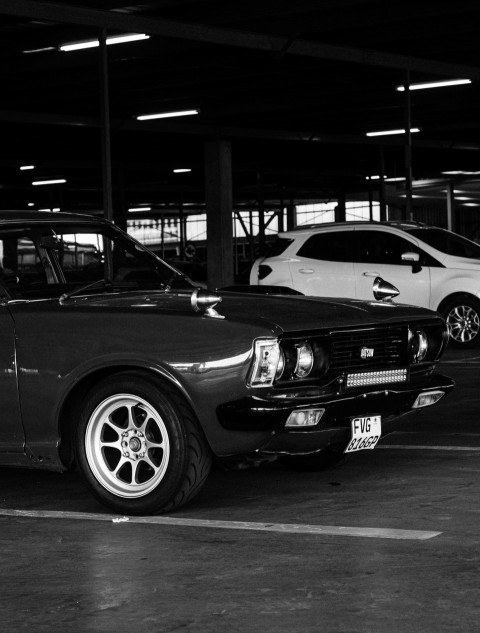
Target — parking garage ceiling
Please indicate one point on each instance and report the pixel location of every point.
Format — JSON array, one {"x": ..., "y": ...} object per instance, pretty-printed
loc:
[{"x": 294, "y": 86}]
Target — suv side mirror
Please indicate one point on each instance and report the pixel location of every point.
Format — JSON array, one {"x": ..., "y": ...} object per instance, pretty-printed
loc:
[{"x": 414, "y": 259}]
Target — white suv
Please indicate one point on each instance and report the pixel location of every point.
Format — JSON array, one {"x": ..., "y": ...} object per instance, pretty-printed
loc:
[{"x": 431, "y": 267}]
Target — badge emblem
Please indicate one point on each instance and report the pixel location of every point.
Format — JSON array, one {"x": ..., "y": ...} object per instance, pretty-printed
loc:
[{"x": 367, "y": 352}]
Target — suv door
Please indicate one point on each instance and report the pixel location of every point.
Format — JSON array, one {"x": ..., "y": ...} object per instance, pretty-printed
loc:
[
  {"x": 323, "y": 265},
  {"x": 378, "y": 253}
]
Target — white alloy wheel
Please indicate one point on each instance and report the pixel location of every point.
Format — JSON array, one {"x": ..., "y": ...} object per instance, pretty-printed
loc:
[
  {"x": 127, "y": 445},
  {"x": 464, "y": 323}
]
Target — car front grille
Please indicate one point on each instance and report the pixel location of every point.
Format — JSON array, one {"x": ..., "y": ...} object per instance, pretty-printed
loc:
[{"x": 368, "y": 349}]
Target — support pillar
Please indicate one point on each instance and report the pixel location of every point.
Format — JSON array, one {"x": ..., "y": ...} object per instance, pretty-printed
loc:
[
  {"x": 291, "y": 219},
  {"x": 408, "y": 149},
  {"x": 450, "y": 205},
  {"x": 383, "y": 194},
  {"x": 105, "y": 129},
  {"x": 218, "y": 198},
  {"x": 340, "y": 210}
]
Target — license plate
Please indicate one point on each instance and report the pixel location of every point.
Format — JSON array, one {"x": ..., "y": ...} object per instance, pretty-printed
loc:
[{"x": 365, "y": 433}]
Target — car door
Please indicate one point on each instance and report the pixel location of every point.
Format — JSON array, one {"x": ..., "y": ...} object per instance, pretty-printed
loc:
[
  {"x": 11, "y": 429},
  {"x": 323, "y": 265},
  {"x": 378, "y": 253},
  {"x": 22, "y": 272}
]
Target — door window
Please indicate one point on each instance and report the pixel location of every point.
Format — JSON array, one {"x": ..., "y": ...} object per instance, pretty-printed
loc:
[
  {"x": 21, "y": 267},
  {"x": 380, "y": 247}
]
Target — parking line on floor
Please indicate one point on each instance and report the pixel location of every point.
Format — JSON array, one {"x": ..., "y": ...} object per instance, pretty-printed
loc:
[
  {"x": 462, "y": 361},
  {"x": 468, "y": 449},
  {"x": 282, "y": 528}
]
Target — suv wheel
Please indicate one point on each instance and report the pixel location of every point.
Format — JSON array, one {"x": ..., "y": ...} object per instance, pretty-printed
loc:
[{"x": 463, "y": 318}]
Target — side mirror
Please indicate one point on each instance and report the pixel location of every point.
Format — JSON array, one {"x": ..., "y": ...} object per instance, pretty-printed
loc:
[{"x": 413, "y": 259}]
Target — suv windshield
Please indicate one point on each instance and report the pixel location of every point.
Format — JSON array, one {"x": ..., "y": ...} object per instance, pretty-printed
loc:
[
  {"x": 54, "y": 260},
  {"x": 447, "y": 242}
]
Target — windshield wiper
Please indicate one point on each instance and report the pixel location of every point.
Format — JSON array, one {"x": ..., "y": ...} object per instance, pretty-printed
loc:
[{"x": 93, "y": 284}]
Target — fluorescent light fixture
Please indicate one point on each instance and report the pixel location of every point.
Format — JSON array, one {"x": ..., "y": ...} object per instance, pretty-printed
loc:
[
  {"x": 167, "y": 115},
  {"x": 397, "y": 179},
  {"x": 372, "y": 177},
  {"x": 140, "y": 209},
  {"x": 461, "y": 173},
  {"x": 413, "y": 130},
  {"x": 471, "y": 204},
  {"x": 434, "y": 84},
  {"x": 119, "y": 39},
  {"x": 54, "y": 181},
  {"x": 183, "y": 170},
  {"x": 40, "y": 50},
  {"x": 27, "y": 167},
  {"x": 31, "y": 204}
]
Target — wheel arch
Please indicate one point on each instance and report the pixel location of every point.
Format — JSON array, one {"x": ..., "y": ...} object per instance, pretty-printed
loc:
[
  {"x": 74, "y": 397},
  {"x": 455, "y": 296}
]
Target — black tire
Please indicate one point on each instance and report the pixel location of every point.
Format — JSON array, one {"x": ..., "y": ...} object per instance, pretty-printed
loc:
[
  {"x": 463, "y": 317},
  {"x": 139, "y": 447},
  {"x": 316, "y": 462}
]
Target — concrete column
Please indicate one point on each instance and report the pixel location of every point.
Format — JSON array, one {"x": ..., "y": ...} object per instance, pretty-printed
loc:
[
  {"x": 218, "y": 198},
  {"x": 450, "y": 205},
  {"x": 291, "y": 219},
  {"x": 340, "y": 209}
]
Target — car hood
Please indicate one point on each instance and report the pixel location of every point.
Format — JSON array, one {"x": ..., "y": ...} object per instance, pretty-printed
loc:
[{"x": 288, "y": 313}]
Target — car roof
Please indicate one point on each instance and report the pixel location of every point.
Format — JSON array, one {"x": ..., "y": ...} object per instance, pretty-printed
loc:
[
  {"x": 48, "y": 217},
  {"x": 318, "y": 228}
]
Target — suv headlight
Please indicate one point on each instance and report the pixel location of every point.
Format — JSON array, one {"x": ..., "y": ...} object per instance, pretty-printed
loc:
[{"x": 266, "y": 361}]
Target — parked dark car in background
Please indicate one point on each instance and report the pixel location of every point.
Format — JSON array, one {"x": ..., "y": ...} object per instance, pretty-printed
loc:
[{"x": 112, "y": 361}]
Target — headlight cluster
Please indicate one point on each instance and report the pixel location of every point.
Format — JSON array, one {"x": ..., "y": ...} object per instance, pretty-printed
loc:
[
  {"x": 418, "y": 345},
  {"x": 287, "y": 361}
]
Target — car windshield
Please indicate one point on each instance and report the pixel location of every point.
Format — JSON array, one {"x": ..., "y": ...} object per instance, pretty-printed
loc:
[
  {"x": 447, "y": 242},
  {"x": 56, "y": 260}
]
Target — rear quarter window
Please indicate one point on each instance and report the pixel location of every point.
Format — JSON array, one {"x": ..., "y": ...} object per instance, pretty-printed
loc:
[
  {"x": 332, "y": 246},
  {"x": 279, "y": 246}
]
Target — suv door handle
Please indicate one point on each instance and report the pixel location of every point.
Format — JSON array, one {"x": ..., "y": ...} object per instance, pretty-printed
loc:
[
  {"x": 306, "y": 271},
  {"x": 368, "y": 273}
]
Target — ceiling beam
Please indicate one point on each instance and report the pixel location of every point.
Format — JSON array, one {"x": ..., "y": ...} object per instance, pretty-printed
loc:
[
  {"x": 273, "y": 44},
  {"x": 13, "y": 116}
]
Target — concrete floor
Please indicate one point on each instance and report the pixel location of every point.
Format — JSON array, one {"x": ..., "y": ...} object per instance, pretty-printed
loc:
[{"x": 66, "y": 564}]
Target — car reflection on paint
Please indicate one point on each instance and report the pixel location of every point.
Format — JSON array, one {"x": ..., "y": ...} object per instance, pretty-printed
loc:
[{"x": 113, "y": 362}]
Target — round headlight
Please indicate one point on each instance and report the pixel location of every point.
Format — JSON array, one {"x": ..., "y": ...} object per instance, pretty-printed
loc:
[
  {"x": 281, "y": 365},
  {"x": 304, "y": 360},
  {"x": 419, "y": 346}
]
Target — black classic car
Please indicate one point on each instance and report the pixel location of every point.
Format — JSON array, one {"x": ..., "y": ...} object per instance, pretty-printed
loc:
[{"x": 113, "y": 362}]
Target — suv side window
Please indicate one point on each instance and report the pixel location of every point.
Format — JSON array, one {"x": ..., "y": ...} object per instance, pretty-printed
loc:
[
  {"x": 381, "y": 247},
  {"x": 333, "y": 246}
]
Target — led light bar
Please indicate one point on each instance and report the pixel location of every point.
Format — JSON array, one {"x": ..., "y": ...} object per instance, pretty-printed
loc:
[
  {"x": 27, "y": 167},
  {"x": 434, "y": 84},
  {"x": 367, "y": 378},
  {"x": 181, "y": 171},
  {"x": 166, "y": 115},
  {"x": 413, "y": 130},
  {"x": 119, "y": 39}
]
